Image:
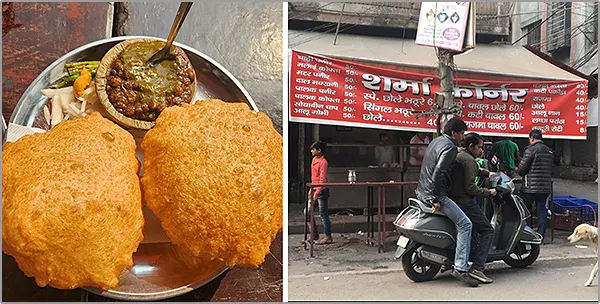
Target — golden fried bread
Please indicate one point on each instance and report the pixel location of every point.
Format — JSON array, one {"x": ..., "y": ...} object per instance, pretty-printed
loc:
[
  {"x": 71, "y": 203},
  {"x": 213, "y": 177}
]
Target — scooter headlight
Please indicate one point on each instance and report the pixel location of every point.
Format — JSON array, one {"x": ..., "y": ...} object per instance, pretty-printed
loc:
[{"x": 502, "y": 183}]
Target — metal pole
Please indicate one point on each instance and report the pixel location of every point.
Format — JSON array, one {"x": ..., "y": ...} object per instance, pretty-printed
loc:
[
  {"x": 369, "y": 215},
  {"x": 438, "y": 124},
  {"x": 379, "y": 220},
  {"x": 312, "y": 224},
  {"x": 307, "y": 205},
  {"x": 301, "y": 157},
  {"x": 337, "y": 30},
  {"x": 384, "y": 219}
]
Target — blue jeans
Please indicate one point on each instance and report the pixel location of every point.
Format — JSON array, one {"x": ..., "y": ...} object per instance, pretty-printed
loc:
[
  {"x": 540, "y": 205},
  {"x": 463, "y": 232},
  {"x": 323, "y": 200}
]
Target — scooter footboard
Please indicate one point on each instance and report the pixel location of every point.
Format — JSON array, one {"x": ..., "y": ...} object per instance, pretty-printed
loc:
[{"x": 529, "y": 236}]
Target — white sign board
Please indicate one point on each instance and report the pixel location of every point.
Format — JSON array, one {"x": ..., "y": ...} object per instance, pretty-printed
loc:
[{"x": 443, "y": 24}]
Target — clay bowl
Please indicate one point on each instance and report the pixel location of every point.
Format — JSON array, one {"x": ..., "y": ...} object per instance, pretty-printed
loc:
[{"x": 102, "y": 79}]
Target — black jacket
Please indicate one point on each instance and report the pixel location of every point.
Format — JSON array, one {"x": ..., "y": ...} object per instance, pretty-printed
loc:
[
  {"x": 434, "y": 179},
  {"x": 463, "y": 179},
  {"x": 536, "y": 169}
]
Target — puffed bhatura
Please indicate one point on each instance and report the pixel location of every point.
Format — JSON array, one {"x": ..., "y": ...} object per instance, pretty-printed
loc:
[
  {"x": 71, "y": 203},
  {"x": 213, "y": 177}
]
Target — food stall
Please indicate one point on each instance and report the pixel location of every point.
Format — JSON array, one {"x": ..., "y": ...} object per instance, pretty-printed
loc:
[
  {"x": 347, "y": 100},
  {"x": 354, "y": 149}
]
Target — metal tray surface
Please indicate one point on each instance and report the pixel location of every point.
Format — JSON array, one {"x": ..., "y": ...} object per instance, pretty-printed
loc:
[{"x": 160, "y": 269}]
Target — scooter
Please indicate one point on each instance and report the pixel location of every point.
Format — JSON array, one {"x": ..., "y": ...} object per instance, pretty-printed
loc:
[{"x": 428, "y": 239}]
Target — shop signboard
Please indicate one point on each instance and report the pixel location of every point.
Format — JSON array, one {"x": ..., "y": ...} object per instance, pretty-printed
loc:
[
  {"x": 336, "y": 92},
  {"x": 443, "y": 25}
]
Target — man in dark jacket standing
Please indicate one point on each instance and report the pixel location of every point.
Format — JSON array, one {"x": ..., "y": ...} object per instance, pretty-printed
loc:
[
  {"x": 464, "y": 190},
  {"x": 536, "y": 169},
  {"x": 434, "y": 187}
]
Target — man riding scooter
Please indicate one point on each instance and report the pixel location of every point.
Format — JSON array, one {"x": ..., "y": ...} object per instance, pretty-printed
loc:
[
  {"x": 430, "y": 241},
  {"x": 434, "y": 186},
  {"x": 463, "y": 190}
]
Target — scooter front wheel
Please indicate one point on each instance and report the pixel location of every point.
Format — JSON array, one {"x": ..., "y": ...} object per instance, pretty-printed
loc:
[
  {"x": 416, "y": 268},
  {"x": 523, "y": 255}
]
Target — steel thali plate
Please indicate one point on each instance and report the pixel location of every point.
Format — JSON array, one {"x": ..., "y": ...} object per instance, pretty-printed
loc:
[{"x": 160, "y": 269}]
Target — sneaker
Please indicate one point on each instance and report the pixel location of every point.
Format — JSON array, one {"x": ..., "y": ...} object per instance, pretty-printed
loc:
[
  {"x": 464, "y": 277},
  {"x": 479, "y": 276}
]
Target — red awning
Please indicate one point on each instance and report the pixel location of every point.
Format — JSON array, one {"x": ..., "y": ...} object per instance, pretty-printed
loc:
[{"x": 592, "y": 82}]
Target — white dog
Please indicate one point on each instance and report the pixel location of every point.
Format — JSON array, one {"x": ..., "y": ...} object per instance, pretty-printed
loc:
[{"x": 590, "y": 233}]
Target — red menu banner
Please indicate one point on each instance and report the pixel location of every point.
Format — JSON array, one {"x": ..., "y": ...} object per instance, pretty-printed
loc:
[{"x": 335, "y": 92}]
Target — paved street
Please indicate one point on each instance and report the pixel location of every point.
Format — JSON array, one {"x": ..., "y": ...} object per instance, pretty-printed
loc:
[
  {"x": 350, "y": 270},
  {"x": 358, "y": 272},
  {"x": 547, "y": 280},
  {"x": 587, "y": 190}
]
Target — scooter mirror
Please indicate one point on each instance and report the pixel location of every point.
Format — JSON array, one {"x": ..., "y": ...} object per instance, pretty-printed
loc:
[{"x": 494, "y": 161}]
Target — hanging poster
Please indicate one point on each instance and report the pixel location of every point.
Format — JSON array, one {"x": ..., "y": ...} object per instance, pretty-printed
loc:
[{"x": 336, "y": 92}]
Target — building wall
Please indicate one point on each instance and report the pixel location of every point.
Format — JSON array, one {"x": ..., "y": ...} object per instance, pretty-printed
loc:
[
  {"x": 492, "y": 17},
  {"x": 580, "y": 153},
  {"x": 585, "y": 152},
  {"x": 533, "y": 10},
  {"x": 584, "y": 44},
  {"x": 525, "y": 14}
]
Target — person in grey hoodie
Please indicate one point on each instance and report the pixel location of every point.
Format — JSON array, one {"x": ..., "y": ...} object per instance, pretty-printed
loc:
[{"x": 464, "y": 190}]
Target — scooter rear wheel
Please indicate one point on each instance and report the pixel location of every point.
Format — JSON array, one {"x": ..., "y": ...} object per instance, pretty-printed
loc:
[
  {"x": 516, "y": 259},
  {"x": 418, "y": 269}
]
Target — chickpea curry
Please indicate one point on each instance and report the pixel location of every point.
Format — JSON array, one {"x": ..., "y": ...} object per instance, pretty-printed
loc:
[{"x": 142, "y": 92}]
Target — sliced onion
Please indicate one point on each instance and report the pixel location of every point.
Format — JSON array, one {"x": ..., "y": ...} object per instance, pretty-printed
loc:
[
  {"x": 47, "y": 115},
  {"x": 73, "y": 111},
  {"x": 57, "y": 111},
  {"x": 53, "y": 92}
]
